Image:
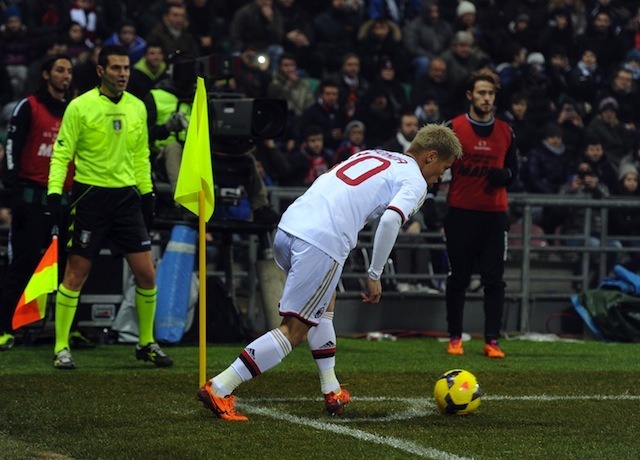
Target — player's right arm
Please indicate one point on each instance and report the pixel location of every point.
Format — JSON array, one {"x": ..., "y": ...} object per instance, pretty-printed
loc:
[
  {"x": 17, "y": 133},
  {"x": 64, "y": 148}
]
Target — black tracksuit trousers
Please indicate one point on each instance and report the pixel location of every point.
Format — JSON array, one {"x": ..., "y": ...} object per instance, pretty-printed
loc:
[{"x": 476, "y": 239}]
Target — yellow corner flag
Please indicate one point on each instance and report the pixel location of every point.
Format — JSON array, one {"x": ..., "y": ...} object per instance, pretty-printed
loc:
[
  {"x": 33, "y": 302},
  {"x": 195, "y": 173}
]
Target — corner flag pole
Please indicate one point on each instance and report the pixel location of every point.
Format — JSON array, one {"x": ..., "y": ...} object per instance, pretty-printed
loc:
[
  {"x": 202, "y": 273},
  {"x": 195, "y": 191}
]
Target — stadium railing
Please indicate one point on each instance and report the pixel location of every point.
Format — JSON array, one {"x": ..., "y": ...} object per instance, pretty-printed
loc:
[{"x": 539, "y": 266}]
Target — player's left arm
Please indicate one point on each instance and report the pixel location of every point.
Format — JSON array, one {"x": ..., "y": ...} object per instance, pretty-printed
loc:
[
  {"x": 140, "y": 151},
  {"x": 400, "y": 209},
  {"x": 506, "y": 176}
]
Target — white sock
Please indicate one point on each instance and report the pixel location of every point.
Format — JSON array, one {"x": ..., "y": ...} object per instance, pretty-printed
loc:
[
  {"x": 322, "y": 341},
  {"x": 259, "y": 356}
]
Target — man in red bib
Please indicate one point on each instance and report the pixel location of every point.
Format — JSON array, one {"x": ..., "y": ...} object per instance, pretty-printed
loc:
[
  {"x": 477, "y": 223},
  {"x": 32, "y": 131}
]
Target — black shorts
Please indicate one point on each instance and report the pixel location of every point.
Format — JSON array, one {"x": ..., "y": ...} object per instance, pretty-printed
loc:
[{"x": 106, "y": 215}]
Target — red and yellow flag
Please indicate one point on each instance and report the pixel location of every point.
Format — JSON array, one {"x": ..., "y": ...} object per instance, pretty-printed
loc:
[{"x": 33, "y": 302}]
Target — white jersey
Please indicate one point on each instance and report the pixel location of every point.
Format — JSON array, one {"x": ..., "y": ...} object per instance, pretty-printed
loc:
[{"x": 342, "y": 201}]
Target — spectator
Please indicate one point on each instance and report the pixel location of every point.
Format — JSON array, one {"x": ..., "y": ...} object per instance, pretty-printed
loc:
[
  {"x": 351, "y": 85},
  {"x": 603, "y": 38},
  {"x": 380, "y": 40},
  {"x": 148, "y": 71},
  {"x": 400, "y": 12},
  {"x": 550, "y": 163},
  {"x": 607, "y": 127},
  {"x": 77, "y": 44},
  {"x": 327, "y": 113},
  {"x": 585, "y": 183},
  {"x": 428, "y": 111},
  {"x": 521, "y": 31},
  {"x": 625, "y": 222},
  {"x": 312, "y": 159},
  {"x": 407, "y": 129},
  {"x": 570, "y": 120},
  {"x": 558, "y": 31},
  {"x": 57, "y": 46},
  {"x": 526, "y": 132},
  {"x": 386, "y": 79},
  {"x": 426, "y": 37},
  {"x": 15, "y": 49},
  {"x": 559, "y": 72},
  {"x": 84, "y": 13},
  {"x": 336, "y": 30},
  {"x": 207, "y": 28},
  {"x": 623, "y": 90},
  {"x": 586, "y": 78},
  {"x": 258, "y": 27},
  {"x": 632, "y": 158},
  {"x": 536, "y": 86},
  {"x": 378, "y": 115},
  {"x": 510, "y": 73},
  {"x": 436, "y": 84},
  {"x": 466, "y": 19},
  {"x": 462, "y": 59},
  {"x": 272, "y": 160},
  {"x": 577, "y": 12},
  {"x": 84, "y": 72},
  {"x": 46, "y": 20},
  {"x": 354, "y": 134},
  {"x": 299, "y": 36},
  {"x": 535, "y": 11},
  {"x": 172, "y": 33},
  {"x": 7, "y": 101},
  {"x": 288, "y": 84},
  {"x": 126, "y": 36},
  {"x": 600, "y": 162}
]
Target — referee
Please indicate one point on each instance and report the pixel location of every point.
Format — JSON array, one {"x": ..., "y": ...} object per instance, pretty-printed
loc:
[
  {"x": 104, "y": 133},
  {"x": 477, "y": 223}
]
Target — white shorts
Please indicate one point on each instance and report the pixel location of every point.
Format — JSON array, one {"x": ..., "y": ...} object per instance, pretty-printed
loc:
[{"x": 312, "y": 277}]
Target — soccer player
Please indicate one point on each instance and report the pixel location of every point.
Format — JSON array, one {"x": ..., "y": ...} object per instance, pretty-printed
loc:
[
  {"x": 314, "y": 238},
  {"x": 477, "y": 223},
  {"x": 32, "y": 131},
  {"x": 104, "y": 133}
]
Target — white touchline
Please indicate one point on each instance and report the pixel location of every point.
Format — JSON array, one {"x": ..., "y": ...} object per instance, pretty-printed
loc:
[
  {"x": 418, "y": 407},
  {"x": 401, "y": 444}
]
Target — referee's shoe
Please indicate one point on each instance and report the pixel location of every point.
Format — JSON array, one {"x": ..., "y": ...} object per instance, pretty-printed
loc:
[{"x": 152, "y": 352}]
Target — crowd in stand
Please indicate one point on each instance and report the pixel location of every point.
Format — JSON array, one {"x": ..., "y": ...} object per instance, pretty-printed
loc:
[{"x": 352, "y": 71}]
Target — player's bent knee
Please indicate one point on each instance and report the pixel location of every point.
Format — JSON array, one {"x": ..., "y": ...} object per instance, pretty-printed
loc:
[{"x": 294, "y": 330}]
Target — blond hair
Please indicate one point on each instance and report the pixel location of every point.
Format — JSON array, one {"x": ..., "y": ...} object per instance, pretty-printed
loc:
[{"x": 438, "y": 137}]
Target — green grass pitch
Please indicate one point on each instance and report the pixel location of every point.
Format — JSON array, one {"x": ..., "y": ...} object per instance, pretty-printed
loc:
[{"x": 544, "y": 401}]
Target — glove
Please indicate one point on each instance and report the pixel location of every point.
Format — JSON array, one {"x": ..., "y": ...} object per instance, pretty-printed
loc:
[
  {"x": 499, "y": 177},
  {"x": 176, "y": 122},
  {"x": 52, "y": 210},
  {"x": 148, "y": 209}
]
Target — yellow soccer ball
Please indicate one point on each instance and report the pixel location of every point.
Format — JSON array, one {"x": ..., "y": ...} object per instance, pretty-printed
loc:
[{"x": 457, "y": 392}]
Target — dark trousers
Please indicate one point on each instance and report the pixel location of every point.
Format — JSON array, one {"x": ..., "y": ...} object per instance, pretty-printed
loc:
[
  {"x": 476, "y": 239},
  {"x": 29, "y": 237}
]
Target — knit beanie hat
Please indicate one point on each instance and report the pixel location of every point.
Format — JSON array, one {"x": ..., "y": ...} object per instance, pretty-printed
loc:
[
  {"x": 465, "y": 8},
  {"x": 627, "y": 168}
]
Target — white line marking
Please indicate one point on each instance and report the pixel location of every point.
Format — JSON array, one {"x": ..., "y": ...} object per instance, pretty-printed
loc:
[
  {"x": 418, "y": 407},
  {"x": 400, "y": 444}
]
